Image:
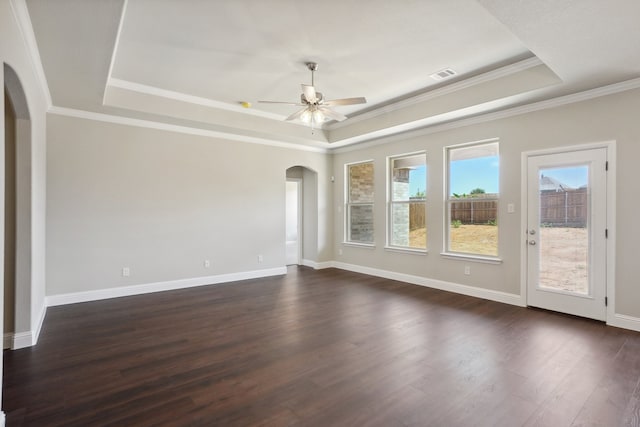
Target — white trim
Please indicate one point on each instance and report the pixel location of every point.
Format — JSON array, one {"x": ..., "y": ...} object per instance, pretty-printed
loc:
[
  {"x": 299, "y": 216},
  {"x": 115, "y": 48},
  {"x": 309, "y": 263},
  {"x": 40, "y": 322},
  {"x": 109, "y": 118},
  {"x": 22, "y": 340},
  {"x": 21, "y": 14},
  {"x": 624, "y": 321},
  {"x": 524, "y": 224},
  {"x": 317, "y": 265},
  {"x": 473, "y": 291},
  {"x": 192, "y": 99},
  {"x": 347, "y": 145},
  {"x": 2, "y": 419},
  {"x": 440, "y": 91},
  {"x": 360, "y": 245},
  {"x": 471, "y": 258},
  {"x": 323, "y": 265},
  {"x": 447, "y": 253},
  {"x": 343, "y": 146},
  {"x": 7, "y": 340},
  {"x": 123, "y": 291},
  {"x": 17, "y": 340},
  {"x": 390, "y": 202},
  {"x": 612, "y": 318},
  {"x": 406, "y": 250},
  {"x": 611, "y": 229}
]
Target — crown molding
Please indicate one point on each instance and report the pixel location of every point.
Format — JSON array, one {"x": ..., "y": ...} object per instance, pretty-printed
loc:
[
  {"x": 347, "y": 146},
  {"x": 114, "y": 52},
  {"x": 487, "y": 117},
  {"x": 444, "y": 90},
  {"x": 191, "y": 99},
  {"x": 110, "y": 118},
  {"x": 21, "y": 15}
]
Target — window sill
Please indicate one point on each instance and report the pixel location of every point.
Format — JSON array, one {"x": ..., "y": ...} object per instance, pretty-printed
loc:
[
  {"x": 472, "y": 258},
  {"x": 405, "y": 250},
  {"x": 359, "y": 245}
]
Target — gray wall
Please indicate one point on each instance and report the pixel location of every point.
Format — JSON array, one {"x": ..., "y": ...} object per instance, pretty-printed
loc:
[
  {"x": 161, "y": 203},
  {"x": 612, "y": 117}
]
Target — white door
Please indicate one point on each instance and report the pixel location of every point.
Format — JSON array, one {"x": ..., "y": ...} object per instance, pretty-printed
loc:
[
  {"x": 292, "y": 221},
  {"x": 566, "y": 232}
]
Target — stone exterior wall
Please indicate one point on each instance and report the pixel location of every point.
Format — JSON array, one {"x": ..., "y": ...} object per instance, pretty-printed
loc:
[
  {"x": 400, "y": 212},
  {"x": 361, "y": 191}
]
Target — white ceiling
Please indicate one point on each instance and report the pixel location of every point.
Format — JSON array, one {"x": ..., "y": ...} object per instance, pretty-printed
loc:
[{"x": 190, "y": 62}]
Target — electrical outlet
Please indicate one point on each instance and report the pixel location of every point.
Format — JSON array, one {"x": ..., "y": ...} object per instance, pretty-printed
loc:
[
  {"x": 467, "y": 270},
  {"x": 260, "y": 258},
  {"x": 207, "y": 263},
  {"x": 511, "y": 208},
  {"x": 126, "y": 272},
  {"x": 339, "y": 251}
]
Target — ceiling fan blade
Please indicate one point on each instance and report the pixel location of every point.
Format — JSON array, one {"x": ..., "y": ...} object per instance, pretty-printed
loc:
[
  {"x": 309, "y": 93},
  {"x": 346, "y": 101},
  {"x": 280, "y": 102},
  {"x": 296, "y": 115},
  {"x": 331, "y": 114}
]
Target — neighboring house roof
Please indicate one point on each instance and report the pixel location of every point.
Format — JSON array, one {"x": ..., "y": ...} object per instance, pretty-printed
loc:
[{"x": 548, "y": 183}]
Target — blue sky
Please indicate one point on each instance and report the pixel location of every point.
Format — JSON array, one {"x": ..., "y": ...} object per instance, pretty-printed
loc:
[
  {"x": 575, "y": 177},
  {"x": 483, "y": 173},
  {"x": 417, "y": 179}
]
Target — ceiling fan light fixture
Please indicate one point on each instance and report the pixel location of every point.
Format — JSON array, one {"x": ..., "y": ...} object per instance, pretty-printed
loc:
[
  {"x": 318, "y": 110},
  {"x": 306, "y": 116}
]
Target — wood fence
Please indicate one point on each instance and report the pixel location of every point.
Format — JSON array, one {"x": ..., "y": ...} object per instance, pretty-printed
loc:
[
  {"x": 417, "y": 216},
  {"x": 566, "y": 208},
  {"x": 563, "y": 208},
  {"x": 474, "y": 211}
]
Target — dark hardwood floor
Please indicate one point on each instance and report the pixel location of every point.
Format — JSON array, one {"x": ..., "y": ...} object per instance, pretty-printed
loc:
[{"x": 321, "y": 348}]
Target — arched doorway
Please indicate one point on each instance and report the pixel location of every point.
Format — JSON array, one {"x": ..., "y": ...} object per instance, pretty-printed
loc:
[{"x": 17, "y": 209}]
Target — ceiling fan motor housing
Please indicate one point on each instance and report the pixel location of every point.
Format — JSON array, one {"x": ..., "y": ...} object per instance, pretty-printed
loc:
[{"x": 319, "y": 99}]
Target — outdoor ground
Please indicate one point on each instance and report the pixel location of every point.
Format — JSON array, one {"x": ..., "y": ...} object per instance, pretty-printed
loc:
[
  {"x": 563, "y": 258},
  {"x": 563, "y": 252}
]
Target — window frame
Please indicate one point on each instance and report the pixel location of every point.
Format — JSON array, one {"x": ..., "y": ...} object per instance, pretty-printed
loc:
[
  {"x": 391, "y": 203},
  {"x": 448, "y": 199},
  {"x": 348, "y": 204}
]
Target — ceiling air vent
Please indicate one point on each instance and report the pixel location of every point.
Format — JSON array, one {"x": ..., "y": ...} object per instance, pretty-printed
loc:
[{"x": 443, "y": 74}]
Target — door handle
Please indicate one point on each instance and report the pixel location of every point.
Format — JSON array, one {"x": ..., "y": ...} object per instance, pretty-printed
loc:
[{"x": 532, "y": 242}]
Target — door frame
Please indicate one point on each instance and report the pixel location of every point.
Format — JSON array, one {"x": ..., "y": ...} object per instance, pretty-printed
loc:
[
  {"x": 610, "y": 147},
  {"x": 299, "y": 208}
]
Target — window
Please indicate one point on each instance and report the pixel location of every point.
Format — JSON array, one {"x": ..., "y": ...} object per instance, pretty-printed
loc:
[
  {"x": 359, "y": 209},
  {"x": 472, "y": 199},
  {"x": 407, "y": 201}
]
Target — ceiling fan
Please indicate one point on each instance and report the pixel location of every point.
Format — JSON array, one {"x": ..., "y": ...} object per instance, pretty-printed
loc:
[{"x": 316, "y": 109}]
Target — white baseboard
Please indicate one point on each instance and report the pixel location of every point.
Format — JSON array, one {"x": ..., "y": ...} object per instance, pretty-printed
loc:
[
  {"x": 7, "y": 339},
  {"x": 308, "y": 263},
  {"x": 317, "y": 265},
  {"x": 488, "y": 294},
  {"x": 22, "y": 340},
  {"x": 40, "y": 322},
  {"x": 625, "y": 322},
  {"x": 123, "y": 291},
  {"x": 16, "y": 341}
]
